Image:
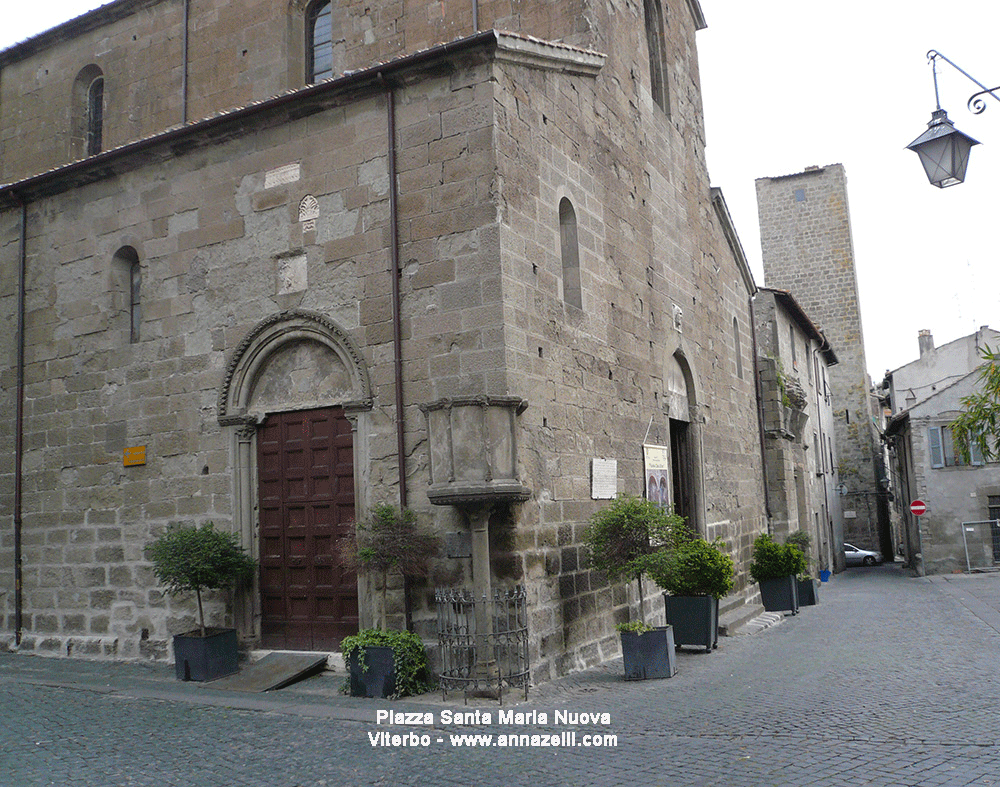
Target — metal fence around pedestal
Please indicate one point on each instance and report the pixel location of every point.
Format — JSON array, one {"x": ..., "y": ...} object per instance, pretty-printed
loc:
[
  {"x": 982, "y": 544},
  {"x": 488, "y": 662}
]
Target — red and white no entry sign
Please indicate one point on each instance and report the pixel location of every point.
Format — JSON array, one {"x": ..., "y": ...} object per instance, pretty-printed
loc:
[{"x": 918, "y": 507}]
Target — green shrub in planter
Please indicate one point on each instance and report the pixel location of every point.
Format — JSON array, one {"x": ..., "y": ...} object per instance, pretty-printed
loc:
[
  {"x": 694, "y": 568},
  {"x": 771, "y": 560},
  {"x": 409, "y": 659},
  {"x": 194, "y": 559},
  {"x": 630, "y": 535},
  {"x": 774, "y": 567}
]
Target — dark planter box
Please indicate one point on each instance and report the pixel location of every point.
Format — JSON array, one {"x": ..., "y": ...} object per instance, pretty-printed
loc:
[
  {"x": 649, "y": 655},
  {"x": 375, "y": 674},
  {"x": 695, "y": 620},
  {"x": 781, "y": 594},
  {"x": 808, "y": 592},
  {"x": 206, "y": 658}
]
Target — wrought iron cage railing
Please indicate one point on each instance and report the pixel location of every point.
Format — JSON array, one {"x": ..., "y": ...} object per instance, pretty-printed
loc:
[{"x": 483, "y": 662}]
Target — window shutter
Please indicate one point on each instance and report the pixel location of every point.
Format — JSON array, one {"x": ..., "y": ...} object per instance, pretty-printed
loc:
[{"x": 934, "y": 444}]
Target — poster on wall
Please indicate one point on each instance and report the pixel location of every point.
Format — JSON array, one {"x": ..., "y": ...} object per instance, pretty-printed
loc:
[{"x": 657, "y": 462}]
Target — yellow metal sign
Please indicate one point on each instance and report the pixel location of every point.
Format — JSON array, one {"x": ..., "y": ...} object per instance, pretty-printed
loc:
[{"x": 136, "y": 455}]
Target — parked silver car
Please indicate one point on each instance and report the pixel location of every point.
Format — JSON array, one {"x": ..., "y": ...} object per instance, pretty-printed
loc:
[{"x": 861, "y": 557}]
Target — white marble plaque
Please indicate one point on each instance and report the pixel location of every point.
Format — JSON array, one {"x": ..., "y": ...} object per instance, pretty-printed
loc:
[{"x": 604, "y": 479}]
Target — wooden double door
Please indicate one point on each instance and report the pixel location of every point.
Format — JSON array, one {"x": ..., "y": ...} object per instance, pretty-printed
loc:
[{"x": 305, "y": 462}]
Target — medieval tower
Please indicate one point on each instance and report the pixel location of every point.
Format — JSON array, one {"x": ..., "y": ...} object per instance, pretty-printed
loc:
[{"x": 805, "y": 231}]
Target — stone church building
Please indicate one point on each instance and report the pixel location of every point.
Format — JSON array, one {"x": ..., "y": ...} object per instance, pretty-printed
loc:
[{"x": 271, "y": 263}]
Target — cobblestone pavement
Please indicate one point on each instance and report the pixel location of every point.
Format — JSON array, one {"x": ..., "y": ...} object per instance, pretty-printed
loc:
[{"x": 889, "y": 681}]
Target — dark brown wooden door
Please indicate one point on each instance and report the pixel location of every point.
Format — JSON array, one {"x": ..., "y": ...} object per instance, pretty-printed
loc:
[{"x": 305, "y": 463}]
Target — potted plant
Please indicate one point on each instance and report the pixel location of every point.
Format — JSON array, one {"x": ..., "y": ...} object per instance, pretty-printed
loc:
[
  {"x": 623, "y": 540},
  {"x": 194, "y": 559},
  {"x": 774, "y": 567},
  {"x": 384, "y": 663},
  {"x": 807, "y": 588},
  {"x": 695, "y": 574}
]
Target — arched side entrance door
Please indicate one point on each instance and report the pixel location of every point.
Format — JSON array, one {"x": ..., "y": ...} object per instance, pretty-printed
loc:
[
  {"x": 295, "y": 394},
  {"x": 305, "y": 462}
]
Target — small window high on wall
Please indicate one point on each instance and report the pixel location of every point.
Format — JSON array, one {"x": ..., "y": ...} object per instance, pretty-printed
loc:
[
  {"x": 87, "y": 132},
  {"x": 656, "y": 42},
  {"x": 570, "y": 248},
  {"x": 319, "y": 42},
  {"x": 739, "y": 350},
  {"x": 127, "y": 273}
]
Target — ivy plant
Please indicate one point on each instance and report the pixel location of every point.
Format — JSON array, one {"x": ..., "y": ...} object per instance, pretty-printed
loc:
[{"x": 408, "y": 657}]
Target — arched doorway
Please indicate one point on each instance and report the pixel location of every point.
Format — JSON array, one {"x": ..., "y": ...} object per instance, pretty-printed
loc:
[{"x": 294, "y": 395}]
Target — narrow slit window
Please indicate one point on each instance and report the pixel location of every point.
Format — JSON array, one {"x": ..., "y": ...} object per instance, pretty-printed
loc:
[
  {"x": 320, "y": 42},
  {"x": 570, "y": 247},
  {"x": 127, "y": 285},
  {"x": 656, "y": 42},
  {"x": 95, "y": 116},
  {"x": 739, "y": 352}
]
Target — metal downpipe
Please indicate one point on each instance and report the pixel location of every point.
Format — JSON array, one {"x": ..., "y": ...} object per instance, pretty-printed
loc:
[
  {"x": 19, "y": 429},
  {"x": 397, "y": 320},
  {"x": 184, "y": 68}
]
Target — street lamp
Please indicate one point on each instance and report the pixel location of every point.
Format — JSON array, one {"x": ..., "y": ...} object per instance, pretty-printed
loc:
[{"x": 942, "y": 148}]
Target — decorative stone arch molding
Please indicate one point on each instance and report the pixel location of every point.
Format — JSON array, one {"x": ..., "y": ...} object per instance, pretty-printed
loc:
[
  {"x": 279, "y": 333},
  {"x": 293, "y": 360}
]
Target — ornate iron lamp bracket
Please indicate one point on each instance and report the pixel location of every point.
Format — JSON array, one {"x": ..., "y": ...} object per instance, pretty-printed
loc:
[{"x": 976, "y": 104}]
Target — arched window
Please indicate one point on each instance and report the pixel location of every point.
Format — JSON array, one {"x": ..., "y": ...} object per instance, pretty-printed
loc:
[
  {"x": 319, "y": 42},
  {"x": 95, "y": 116},
  {"x": 570, "y": 247},
  {"x": 128, "y": 283},
  {"x": 656, "y": 42},
  {"x": 739, "y": 351},
  {"x": 87, "y": 132}
]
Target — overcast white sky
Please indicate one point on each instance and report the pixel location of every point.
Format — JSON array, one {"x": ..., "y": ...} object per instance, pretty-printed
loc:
[{"x": 792, "y": 83}]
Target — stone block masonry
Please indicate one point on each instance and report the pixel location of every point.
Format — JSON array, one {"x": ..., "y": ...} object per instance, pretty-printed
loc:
[{"x": 808, "y": 250}]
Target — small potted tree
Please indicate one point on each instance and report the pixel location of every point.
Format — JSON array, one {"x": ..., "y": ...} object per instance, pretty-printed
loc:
[
  {"x": 807, "y": 587},
  {"x": 187, "y": 559},
  {"x": 385, "y": 663},
  {"x": 774, "y": 567},
  {"x": 624, "y": 539},
  {"x": 696, "y": 574}
]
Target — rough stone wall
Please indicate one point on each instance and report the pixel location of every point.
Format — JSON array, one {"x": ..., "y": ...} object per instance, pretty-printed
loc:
[
  {"x": 594, "y": 377},
  {"x": 214, "y": 231},
  {"x": 485, "y": 151},
  {"x": 807, "y": 250},
  {"x": 800, "y": 468},
  {"x": 238, "y": 53}
]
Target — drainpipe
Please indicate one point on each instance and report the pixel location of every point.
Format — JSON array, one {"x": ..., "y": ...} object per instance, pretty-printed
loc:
[
  {"x": 397, "y": 320},
  {"x": 826, "y": 497},
  {"x": 475, "y": 16},
  {"x": 760, "y": 413},
  {"x": 184, "y": 69},
  {"x": 19, "y": 427}
]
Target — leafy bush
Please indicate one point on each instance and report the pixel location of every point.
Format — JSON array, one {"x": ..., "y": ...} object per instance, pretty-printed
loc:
[
  {"x": 630, "y": 535},
  {"x": 623, "y": 535},
  {"x": 771, "y": 560},
  {"x": 634, "y": 626},
  {"x": 694, "y": 568},
  {"x": 194, "y": 559},
  {"x": 389, "y": 540},
  {"x": 409, "y": 657},
  {"x": 802, "y": 540}
]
